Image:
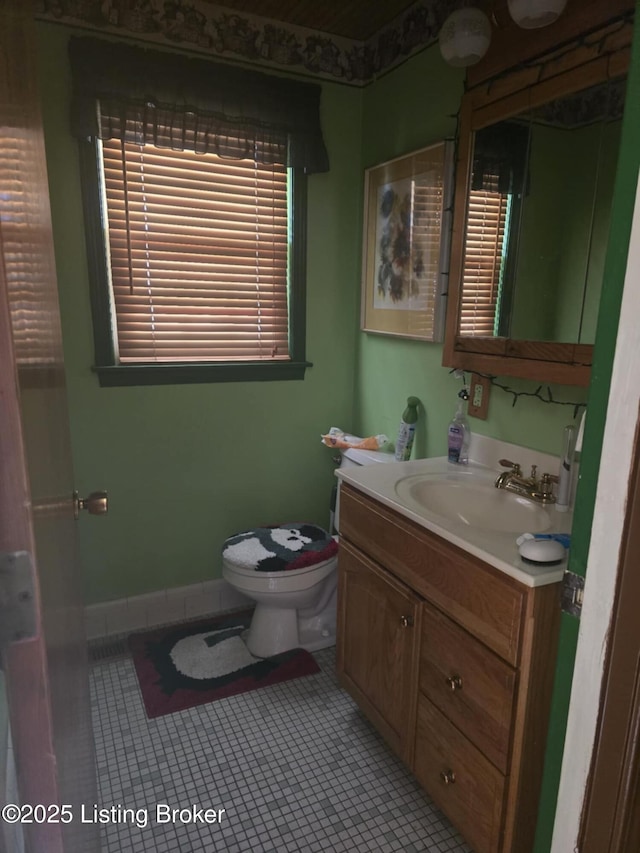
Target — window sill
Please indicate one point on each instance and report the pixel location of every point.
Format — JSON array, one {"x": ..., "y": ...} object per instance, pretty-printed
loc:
[{"x": 181, "y": 374}]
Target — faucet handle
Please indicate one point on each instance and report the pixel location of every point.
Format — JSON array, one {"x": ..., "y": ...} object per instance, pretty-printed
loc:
[
  {"x": 515, "y": 467},
  {"x": 546, "y": 487}
]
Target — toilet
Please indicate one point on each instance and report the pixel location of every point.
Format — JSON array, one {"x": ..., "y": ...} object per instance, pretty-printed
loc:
[{"x": 290, "y": 571}]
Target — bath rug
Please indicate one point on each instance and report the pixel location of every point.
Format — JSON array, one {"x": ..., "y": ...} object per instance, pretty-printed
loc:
[{"x": 180, "y": 666}]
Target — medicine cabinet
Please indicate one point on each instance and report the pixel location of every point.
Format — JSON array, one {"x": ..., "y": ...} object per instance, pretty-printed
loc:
[{"x": 536, "y": 163}]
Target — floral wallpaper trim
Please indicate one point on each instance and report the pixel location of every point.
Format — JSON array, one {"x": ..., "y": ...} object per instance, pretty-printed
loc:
[
  {"x": 603, "y": 102},
  {"x": 219, "y": 32}
]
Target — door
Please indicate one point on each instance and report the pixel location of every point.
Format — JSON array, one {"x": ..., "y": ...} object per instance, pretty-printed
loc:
[
  {"x": 611, "y": 815},
  {"x": 44, "y": 672}
]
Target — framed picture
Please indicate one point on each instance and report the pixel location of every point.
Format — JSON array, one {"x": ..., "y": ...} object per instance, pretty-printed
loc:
[{"x": 406, "y": 243}]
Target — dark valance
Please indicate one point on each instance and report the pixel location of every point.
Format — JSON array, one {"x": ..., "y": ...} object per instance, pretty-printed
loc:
[
  {"x": 173, "y": 101},
  {"x": 500, "y": 151}
]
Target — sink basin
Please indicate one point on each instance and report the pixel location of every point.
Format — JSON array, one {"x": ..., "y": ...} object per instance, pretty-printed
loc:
[{"x": 475, "y": 504}]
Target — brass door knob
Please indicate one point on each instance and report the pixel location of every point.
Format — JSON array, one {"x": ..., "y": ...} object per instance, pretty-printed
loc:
[
  {"x": 448, "y": 777},
  {"x": 454, "y": 682},
  {"x": 406, "y": 621},
  {"x": 97, "y": 503}
]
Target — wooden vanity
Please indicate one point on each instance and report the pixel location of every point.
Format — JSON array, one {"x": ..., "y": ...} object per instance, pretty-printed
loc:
[{"x": 453, "y": 662}]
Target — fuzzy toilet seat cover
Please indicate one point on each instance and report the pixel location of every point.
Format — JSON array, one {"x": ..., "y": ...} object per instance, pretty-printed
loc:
[{"x": 280, "y": 548}]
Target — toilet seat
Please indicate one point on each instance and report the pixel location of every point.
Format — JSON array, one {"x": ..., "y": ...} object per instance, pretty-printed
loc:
[
  {"x": 300, "y": 570},
  {"x": 280, "y": 548}
]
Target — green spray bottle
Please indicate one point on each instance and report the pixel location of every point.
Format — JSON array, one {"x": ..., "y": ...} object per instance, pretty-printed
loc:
[{"x": 407, "y": 430}]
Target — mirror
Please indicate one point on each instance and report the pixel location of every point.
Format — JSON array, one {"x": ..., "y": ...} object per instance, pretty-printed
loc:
[
  {"x": 535, "y": 174},
  {"x": 537, "y": 220}
]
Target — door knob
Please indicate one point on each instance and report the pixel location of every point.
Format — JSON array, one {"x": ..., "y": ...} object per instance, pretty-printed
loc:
[
  {"x": 454, "y": 682},
  {"x": 96, "y": 503},
  {"x": 448, "y": 777},
  {"x": 406, "y": 621}
]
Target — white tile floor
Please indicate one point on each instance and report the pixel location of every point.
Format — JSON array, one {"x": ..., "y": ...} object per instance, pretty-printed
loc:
[{"x": 296, "y": 767}]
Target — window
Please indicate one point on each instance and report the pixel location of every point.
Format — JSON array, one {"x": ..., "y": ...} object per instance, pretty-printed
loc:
[
  {"x": 499, "y": 181},
  {"x": 25, "y": 271},
  {"x": 195, "y": 216},
  {"x": 484, "y": 261},
  {"x": 198, "y": 257}
]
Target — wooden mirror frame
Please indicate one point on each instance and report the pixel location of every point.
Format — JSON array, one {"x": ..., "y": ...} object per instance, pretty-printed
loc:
[{"x": 601, "y": 56}]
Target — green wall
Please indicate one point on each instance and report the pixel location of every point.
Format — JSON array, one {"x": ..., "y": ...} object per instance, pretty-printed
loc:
[
  {"x": 540, "y": 247},
  {"x": 566, "y": 216},
  {"x": 188, "y": 465},
  {"x": 579, "y": 181},
  {"x": 601, "y": 230}
]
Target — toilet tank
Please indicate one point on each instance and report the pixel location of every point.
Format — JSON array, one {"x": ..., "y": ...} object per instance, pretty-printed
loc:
[{"x": 352, "y": 457}]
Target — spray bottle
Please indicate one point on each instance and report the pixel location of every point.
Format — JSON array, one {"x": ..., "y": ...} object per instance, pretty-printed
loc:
[{"x": 407, "y": 430}]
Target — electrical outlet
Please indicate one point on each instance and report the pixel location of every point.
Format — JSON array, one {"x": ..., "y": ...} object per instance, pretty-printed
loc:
[{"x": 478, "y": 405}]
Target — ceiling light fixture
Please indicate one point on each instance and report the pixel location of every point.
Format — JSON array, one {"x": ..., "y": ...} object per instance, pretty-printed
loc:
[
  {"x": 530, "y": 14},
  {"x": 465, "y": 36}
]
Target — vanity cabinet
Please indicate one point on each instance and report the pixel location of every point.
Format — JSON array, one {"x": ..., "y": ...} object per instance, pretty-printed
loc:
[{"x": 453, "y": 662}]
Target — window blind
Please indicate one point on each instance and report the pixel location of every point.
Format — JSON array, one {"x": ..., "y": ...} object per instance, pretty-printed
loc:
[
  {"x": 23, "y": 221},
  {"x": 483, "y": 262},
  {"x": 425, "y": 255},
  {"x": 198, "y": 254}
]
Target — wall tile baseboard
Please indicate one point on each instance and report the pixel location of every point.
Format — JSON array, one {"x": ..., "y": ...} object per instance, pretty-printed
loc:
[{"x": 159, "y": 608}]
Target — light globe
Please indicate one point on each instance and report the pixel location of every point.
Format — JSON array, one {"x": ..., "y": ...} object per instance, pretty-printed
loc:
[
  {"x": 531, "y": 14},
  {"x": 465, "y": 36}
]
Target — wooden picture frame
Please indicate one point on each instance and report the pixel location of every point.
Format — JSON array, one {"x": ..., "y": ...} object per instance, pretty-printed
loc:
[{"x": 406, "y": 244}]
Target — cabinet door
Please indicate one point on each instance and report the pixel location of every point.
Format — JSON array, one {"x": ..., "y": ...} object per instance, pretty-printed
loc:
[{"x": 378, "y": 635}]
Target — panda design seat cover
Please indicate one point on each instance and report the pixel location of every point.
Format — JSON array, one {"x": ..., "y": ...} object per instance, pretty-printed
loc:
[{"x": 280, "y": 548}]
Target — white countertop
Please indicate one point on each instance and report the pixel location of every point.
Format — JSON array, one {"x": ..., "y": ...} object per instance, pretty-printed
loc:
[{"x": 498, "y": 549}]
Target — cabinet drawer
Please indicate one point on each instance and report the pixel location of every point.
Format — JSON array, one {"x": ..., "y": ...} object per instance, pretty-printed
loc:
[
  {"x": 478, "y": 597},
  {"x": 473, "y": 796},
  {"x": 471, "y": 685}
]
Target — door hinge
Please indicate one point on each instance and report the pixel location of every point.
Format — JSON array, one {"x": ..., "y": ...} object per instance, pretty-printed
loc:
[
  {"x": 572, "y": 594},
  {"x": 17, "y": 598}
]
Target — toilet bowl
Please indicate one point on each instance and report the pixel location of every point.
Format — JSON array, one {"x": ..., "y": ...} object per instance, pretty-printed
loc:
[
  {"x": 295, "y": 608},
  {"x": 290, "y": 571}
]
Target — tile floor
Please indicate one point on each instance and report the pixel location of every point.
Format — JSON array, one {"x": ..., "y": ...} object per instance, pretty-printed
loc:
[{"x": 295, "y": 766}]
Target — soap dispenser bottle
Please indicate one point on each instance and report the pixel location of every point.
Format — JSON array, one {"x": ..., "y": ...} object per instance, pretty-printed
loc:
[
  {"x": 407, "y": 430},
  {"x": 458, "y": 436}
]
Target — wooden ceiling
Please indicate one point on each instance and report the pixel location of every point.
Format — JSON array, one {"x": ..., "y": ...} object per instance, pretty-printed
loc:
[{"x": 355, "y": 19}]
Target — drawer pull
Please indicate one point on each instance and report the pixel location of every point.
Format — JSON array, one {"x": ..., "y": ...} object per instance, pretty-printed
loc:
[
  {"x": 448, "y": 777},
  {"x": 406, "y": 621},
  {"x": 454, "y": 682}
]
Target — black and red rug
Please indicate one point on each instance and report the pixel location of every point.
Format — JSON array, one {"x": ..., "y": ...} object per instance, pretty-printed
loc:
[{"x": 180, "y": 666}]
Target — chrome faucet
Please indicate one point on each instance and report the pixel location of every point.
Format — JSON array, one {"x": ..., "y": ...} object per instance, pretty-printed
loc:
[{"x": 531, "y": 487}]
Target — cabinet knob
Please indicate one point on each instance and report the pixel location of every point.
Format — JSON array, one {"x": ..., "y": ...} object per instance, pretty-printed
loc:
[
  {"x": 448, "y": 777},
  {"x": 454, "y": 682},
  {"x": 406, "y": 621}
]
